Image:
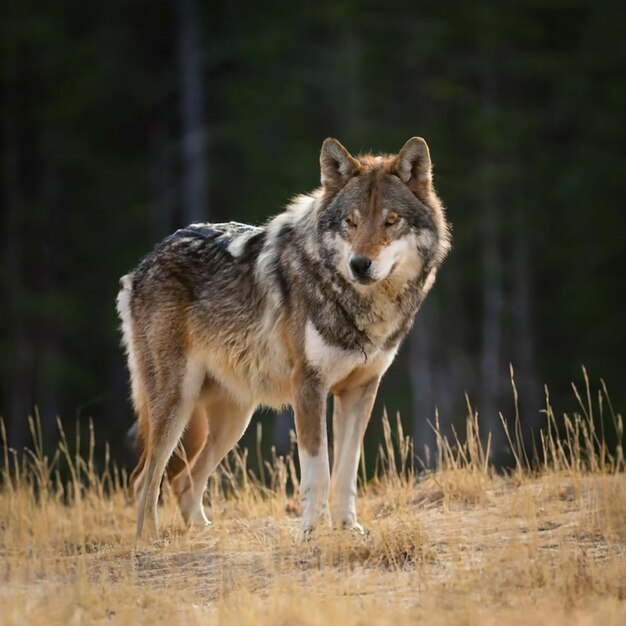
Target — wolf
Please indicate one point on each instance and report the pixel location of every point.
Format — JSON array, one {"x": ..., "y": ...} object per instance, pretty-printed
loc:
[{"x": 221, "y": 318}]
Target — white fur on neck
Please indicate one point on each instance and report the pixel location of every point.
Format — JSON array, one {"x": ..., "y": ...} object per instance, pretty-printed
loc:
[{"x": 333, "y": 363}]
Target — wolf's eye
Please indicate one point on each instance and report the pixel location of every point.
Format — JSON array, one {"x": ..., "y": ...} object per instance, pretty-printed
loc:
[
  {"x": 349, "y": 220},
  {"x": 392, "y": 218}
]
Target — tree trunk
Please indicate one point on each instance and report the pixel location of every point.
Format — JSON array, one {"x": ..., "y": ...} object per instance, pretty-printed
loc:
[
  {"x": 348, "y": 79},
  {"x": 526, "y": 375},
  {"x": 16, "y": 363},
  {"x": 195, "y": 180},
  {"x": 48, "y": 349},
  {"x": 162, "y": 200},
  {"x": 492, "y": 275},
  {"x": 422, "y": 378}
]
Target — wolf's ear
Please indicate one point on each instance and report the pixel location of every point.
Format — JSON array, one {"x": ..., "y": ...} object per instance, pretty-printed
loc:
[
  {"x": 337, "y": 165},
  {"x": 413, "y": 166}
]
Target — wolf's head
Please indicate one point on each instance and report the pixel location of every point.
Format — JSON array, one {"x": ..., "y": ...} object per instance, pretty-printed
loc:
[{"x": 379, "y": 216}]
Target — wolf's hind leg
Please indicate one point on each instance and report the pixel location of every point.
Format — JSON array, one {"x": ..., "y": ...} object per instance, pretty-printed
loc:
[
  {"x": 169, "y": 411},
  {"x": 228, "y": 420},
  {"x": 190, "y": 445}
]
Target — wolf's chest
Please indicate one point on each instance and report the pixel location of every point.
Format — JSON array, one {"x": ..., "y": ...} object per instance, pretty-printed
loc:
[{"x": 334, "y": 363}]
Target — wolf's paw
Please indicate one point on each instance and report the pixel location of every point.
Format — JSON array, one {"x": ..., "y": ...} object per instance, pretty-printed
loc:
[
  {"x": 198, "y": 526},
  {"x": 353, "y": 527},
  {"x": 346, "y": 520},
  {"x": 196, "y": 518},
  {"x": 310, "y": 533},
  {"x": 313, "y": 524},
  {"x": 199, "y": 521}
]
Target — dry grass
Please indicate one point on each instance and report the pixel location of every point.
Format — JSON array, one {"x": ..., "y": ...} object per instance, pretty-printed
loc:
[{"x": 460, "y": 545}]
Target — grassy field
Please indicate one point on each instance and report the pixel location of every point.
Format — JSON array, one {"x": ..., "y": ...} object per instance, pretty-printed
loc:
[{"x": 543, "y": 544}]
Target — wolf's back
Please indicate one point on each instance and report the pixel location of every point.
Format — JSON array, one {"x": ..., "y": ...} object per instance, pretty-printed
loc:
[{"x": 198, "y": 262}]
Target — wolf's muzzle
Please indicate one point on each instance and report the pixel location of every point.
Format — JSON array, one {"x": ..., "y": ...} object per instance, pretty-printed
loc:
[{"x": 360, "y": 266}]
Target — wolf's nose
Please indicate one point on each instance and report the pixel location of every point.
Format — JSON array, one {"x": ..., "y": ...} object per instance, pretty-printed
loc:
[{"x": 360, "y": 266}]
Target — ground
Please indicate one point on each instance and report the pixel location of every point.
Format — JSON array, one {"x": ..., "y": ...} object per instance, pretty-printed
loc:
[{"x": 459, "y": 545}]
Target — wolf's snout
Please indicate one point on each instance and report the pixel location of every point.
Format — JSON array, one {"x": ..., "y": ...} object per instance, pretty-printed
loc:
[{"x": 360, "y": 266}]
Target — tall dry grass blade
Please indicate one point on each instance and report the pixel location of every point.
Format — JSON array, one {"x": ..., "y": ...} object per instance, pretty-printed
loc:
[
  {"x": 391, "y": 471},
  {"x": 7, "y": 480},
  {"x": 519, "y": 468},
  {"x": 618, "y": 427},
  {"x": 259, "y": 455},
  {"x": 519, "y": 435}
]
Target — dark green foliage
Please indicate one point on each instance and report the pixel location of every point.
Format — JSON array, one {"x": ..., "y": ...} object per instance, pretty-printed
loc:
[{"x": 522, "y": 104}]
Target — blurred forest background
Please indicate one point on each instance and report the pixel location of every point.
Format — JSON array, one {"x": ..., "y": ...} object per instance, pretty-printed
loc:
[{"x": 124, "y": 120}]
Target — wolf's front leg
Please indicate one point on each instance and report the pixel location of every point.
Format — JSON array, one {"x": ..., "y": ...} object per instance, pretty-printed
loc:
[
  {"x": 310, "y": 417},
  {"x": 351, "y": 412}
]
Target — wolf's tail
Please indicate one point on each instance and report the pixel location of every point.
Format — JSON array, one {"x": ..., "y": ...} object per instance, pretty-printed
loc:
[{"x": 129, "y": 341}]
